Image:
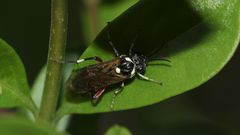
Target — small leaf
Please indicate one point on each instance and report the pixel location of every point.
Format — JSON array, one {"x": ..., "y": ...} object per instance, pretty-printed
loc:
[
  {"x": 199, "y": 38},
  {"x": 20, "y": 126},
  {"x": 118, "y": 130},
  {"x": 14, "y": 89},
  {"x": 38, "y": 86}
]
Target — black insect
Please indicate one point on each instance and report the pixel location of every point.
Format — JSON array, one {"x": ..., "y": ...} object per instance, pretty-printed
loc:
[{"x": 94, "y": 79}]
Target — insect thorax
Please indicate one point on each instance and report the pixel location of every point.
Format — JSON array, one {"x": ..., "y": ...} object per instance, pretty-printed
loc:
[
  {"x": 126, "y": 66},
  {"x": 129, "y": 66}
]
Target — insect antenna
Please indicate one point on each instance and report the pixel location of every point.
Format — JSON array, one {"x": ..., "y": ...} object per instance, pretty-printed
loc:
[
  {"x": 110, "y": 41},
  {"x": 152, "y": 54},
  {"x": 132, "y": 45}
]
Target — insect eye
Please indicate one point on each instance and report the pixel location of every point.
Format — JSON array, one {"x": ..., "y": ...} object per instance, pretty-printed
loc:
[{"x": 140, "y": 60}]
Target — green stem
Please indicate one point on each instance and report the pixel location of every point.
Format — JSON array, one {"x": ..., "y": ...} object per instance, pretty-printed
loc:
[
  {"x": 56, "y": 54},
  {"x": 92, "y": 7}
]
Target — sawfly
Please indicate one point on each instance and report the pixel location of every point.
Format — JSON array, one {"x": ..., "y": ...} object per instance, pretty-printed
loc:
[{"x": 94, "y": 79}]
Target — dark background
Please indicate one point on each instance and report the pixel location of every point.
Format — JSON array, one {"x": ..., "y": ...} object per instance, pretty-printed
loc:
[{"x": 211, "y": 109}]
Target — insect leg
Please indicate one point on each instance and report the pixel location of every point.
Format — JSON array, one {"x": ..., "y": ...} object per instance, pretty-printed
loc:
[
  {"x": 110, "y": 41},
  {"x": 116, "y": 92},
  {"x": 148, "y": 79},
  {"x": 98, "y": 93},
  {"x": 96, "y": 58}
]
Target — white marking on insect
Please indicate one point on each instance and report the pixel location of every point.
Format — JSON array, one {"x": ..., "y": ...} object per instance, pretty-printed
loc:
[
  {"x": 134, "y": 66},
  {"x": 118, "y": 70},
  {"x": 80, "y": 60},
  {"x": 133, "y": 72},
  {"x": 128, "y": 59}
]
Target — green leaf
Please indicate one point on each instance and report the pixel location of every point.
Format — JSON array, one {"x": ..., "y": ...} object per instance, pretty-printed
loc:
[
  {"x": 118, "y": 130},
  {"x": 14, "y": 89},
  {"x": 199, "y": 38},
  {"x": 20, "y": 126}
]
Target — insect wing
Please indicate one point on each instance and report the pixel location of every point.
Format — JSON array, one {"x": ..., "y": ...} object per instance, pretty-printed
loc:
[{"x": 94, "y": 77}]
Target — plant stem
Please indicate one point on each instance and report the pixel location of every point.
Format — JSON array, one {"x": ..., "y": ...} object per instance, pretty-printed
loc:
[
  {"x": 56, "y": 54},
  {"x": 92, "y": 7}
]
